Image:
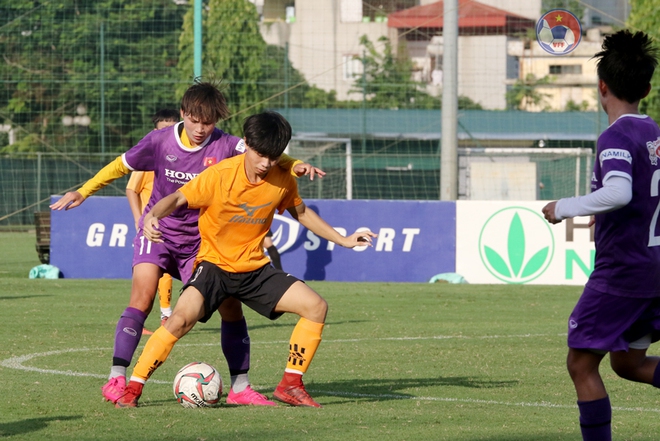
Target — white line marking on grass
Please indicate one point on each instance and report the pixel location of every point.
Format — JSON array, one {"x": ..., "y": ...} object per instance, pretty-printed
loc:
[
  {"x": 472, "y": 401},
  {"x": 18, "y": 363}
]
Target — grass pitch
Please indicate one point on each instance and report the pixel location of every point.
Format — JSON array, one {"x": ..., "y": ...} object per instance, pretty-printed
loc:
[{"x": 397, "y": 362}]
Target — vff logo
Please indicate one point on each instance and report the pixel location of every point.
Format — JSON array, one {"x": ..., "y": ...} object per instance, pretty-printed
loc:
[{"x": 514, "y": 257}]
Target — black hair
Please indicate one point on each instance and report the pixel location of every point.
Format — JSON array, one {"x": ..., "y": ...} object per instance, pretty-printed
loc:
[
  {"x": 267, "y": 133},
  {"x": 165, "y": 115},
  {"x": 205, "y": 101},
  {"x": 626, "y": 64}
]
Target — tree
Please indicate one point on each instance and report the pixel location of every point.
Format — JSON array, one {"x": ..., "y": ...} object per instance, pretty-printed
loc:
[
  {"x": 51, "y": 67},
  {"x": 644, "y": 16},
  {"x": 524, "y": 94},
  {"x": 386, "y": 81},
  {"x": 282, "y": 86},
  {"x": 233, "y": 50},
  {"x": 572, "y": 106},
  {"x": 574, "y": 6},
  {"x": 253, "y": 73}
]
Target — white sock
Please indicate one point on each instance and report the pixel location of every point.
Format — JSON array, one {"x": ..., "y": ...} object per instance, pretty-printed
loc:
[
  {"x": 117, "y": 371},
  {"x": 239, "y": 383}
]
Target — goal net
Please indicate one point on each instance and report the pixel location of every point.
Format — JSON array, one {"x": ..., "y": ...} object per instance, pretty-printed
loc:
[{"x": 334, "y": 157}]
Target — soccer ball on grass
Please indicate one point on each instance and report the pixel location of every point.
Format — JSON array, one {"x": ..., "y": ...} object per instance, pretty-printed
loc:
[{"x": 197, "y": 384}]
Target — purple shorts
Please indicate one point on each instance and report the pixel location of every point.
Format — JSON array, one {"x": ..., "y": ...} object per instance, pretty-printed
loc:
[
  {"x": 609, "y": 323},
  {"x": 176, "y": 260}
]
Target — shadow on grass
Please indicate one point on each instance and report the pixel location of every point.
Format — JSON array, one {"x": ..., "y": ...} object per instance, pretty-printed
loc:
[
  {"x": 535, "y": 437},
  {"x": 392, "y": 388},
  {"x": 274, "y": 324},
  {"x": 270, "y": 325},
  {"x": 24, "y": 297},
  {"x": 31, "y": 425},
  {"x": 383, "y": 389}
]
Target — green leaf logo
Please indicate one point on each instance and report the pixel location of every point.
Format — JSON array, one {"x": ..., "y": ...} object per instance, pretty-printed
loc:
[{"x": 517, "y": 256}]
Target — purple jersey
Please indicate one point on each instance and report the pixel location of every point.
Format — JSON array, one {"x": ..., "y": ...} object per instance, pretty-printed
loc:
[
  {"x": 173, "y": 164},
  {"x": 628, "y": 239}
]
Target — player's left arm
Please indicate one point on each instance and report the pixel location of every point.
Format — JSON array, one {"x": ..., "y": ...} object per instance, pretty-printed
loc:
[
  {"x": 313, "y": 222},
  {"x": 299, "y": 168},
  {"x": 615, "y": 193}
]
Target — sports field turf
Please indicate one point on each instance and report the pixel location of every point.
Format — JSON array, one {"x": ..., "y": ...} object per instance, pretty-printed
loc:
[{"x": 397, "y": 362}]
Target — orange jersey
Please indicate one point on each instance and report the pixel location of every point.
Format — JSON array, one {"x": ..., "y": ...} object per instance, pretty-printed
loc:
[
  {"x": 141, "y": 183},
  {"x": 235, "y": 214}
]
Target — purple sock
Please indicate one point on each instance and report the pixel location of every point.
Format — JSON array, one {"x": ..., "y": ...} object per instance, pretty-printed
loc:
[
  {"x": 596, "y": 419},
  {"x": 235, "y": 343},
  {"x": 656, "y": 377},
  {"x": 127, "y": 336}
]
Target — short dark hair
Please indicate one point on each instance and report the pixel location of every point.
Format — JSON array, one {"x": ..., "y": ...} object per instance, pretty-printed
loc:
[
  {"x": 165, "y": 115},
  {"x": 267, "y": 133},
  {"x": 205, "y": 101},
  {"x": 626, "y": 64}
]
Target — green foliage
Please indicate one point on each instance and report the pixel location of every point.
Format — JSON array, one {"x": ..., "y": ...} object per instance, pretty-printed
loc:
[
  {"x": 233, "y": 51},
  {"x": 644, "y": 16},
  {"x": 574, "y": 6},
  {"x": 281, "y": 85},
  {"x": 51, "y": 66},
  {"x": 524, "y": 94},
  {"x": 387, "y": 82},
  {"x": 255, "y": 75},
  {"x": 572, "y": 106}
]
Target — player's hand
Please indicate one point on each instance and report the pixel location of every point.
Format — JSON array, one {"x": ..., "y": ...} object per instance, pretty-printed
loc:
[
  {"x": 592, "y": 221},
  {"x": 308, "y": 169},
  {"x": 70, "y": 200},
  {"x": 359, "y": 239},
  {"x": 151, "y": 229},
  {"x": 549, "y": 213}
]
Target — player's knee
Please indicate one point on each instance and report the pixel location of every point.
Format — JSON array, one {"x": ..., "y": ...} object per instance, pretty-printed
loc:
[
  {"x": 582, "y": 364},
  {"x": 572, "y": 367},
  {"x": 625, "y": 367},
  {"x": 317, "y": 310},
  {"x": 178, "y": 324}
]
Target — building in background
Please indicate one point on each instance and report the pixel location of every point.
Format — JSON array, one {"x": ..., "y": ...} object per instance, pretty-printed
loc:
[
  {"x": 484, "y": 66},
  {"x": 497, "y": 47}
]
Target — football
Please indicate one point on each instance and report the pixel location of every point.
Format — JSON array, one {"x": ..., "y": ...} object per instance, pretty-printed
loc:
[{"x": 197, "y": 384}]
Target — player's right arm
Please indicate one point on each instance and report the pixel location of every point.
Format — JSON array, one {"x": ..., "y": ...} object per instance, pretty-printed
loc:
[
  {"x": 162, "y": 209},
  {"x": 116, "y": 169}
]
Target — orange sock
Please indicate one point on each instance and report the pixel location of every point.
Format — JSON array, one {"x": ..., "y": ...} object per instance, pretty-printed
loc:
[
  {"x": 154, "y": 354},
  {"x": 165, "y": 291},
  {"x": 304, "y": 342}
]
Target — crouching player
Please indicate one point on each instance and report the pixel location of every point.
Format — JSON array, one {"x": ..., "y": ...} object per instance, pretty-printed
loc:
[{"x": 237, "y": 199}]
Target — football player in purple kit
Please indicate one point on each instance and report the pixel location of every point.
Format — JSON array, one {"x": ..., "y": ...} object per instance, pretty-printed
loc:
[
  {"x": 176, "y": 155},
  {"x": 619, "y": 310}
]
